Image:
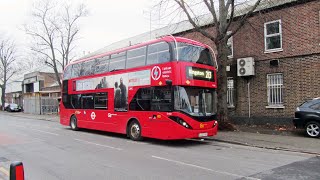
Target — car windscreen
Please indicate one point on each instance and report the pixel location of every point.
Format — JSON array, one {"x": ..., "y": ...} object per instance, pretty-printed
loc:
[{"x": 13, "y": 105}]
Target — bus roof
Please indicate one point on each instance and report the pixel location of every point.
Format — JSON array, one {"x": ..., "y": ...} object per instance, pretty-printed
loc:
[{"x": 165, "y": 38}]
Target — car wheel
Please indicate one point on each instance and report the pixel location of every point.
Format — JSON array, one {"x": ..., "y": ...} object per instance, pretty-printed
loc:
[
  {"x": 134, "y": 131},
  {"x": 313, "y": 129},
  {"x": 74, "y": 123}
]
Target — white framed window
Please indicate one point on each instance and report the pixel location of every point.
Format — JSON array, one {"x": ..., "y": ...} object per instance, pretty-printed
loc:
[
  {"x": 230, "y": 92},
  {"x": 273, "y": 36},
  {"x": 230, "y": 45},
  {"x": 275, "y": 90}
]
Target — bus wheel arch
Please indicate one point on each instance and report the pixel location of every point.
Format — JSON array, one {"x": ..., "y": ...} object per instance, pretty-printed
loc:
[
  {"x": 74, "y": 122},
  {"x": 134, "y": 129}
]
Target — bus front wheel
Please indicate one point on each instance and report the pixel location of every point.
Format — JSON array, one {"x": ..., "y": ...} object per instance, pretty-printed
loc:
[
  {"x": 134, "y": 130},
  {"x": 74, "y": 123}
]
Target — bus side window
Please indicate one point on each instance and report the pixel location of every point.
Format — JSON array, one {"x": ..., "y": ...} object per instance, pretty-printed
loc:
[
  {"x": 136, "y": 57},
  {"x": 76, "y": 101},
  {"x": 66, "y": 101},
  {"x": 161, "y": 99},
  {"x": 102, "y": 65},
  {"x": 101, "y": 101},
  {"x": 87, "y": 101},
  {"x": 141, "y": 100},
  {"x": 87, "y": 68},
  {"x": 117, "y": 61},
  {"x": 76, "y": 69},
  {"x": 158, "y": 53}
]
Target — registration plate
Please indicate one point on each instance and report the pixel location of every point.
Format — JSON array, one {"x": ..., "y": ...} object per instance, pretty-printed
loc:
[{"x": 203, "y": 134}]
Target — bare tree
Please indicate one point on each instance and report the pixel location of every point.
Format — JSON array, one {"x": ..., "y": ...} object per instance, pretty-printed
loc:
[
  {"x": 223, "y": 17},
  {"x": 8, "y": 66},
  {"x": 54, "y": 31}
]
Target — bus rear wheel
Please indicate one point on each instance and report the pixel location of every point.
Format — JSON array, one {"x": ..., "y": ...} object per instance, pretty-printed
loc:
[
  {"x": 134, "y": 131},
  {"x": 74, "y": 123}
]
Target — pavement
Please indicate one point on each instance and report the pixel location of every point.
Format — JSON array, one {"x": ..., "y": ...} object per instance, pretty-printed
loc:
[{"x": 289, "y": 139}]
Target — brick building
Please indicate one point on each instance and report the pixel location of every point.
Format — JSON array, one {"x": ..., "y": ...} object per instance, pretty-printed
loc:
[
  {"x": 40, "y": 93},
  {"x": 283, "y": 39},
  {"x": 287, "y": 70}
]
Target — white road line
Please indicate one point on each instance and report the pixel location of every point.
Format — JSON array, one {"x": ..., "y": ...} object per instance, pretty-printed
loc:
[
  {"x": 88, "y": 142},
  {"x": 37, "y": 130},
  {"x": 135, "y": 142},
  {"x": 3, "y": 170},
  {"x": 204, "y": 168}
]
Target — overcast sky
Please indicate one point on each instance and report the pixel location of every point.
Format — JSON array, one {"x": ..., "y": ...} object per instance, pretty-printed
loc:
[{"x": 108, "y": 21}]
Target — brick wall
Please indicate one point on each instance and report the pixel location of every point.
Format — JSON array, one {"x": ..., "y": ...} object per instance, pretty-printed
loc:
[
  {"x": 300, "y": 32},
  {"x": 301, "y": 77}
]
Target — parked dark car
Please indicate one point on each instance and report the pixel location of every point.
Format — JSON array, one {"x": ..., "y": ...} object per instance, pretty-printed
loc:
[
  {"x": 307, "y": 117},
  {"x": 13, "y": 107}
]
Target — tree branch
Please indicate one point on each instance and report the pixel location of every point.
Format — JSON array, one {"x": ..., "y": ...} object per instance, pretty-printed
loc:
[
  {"x": 244, "y": 19},
  {"x": 198, "y": 28}
]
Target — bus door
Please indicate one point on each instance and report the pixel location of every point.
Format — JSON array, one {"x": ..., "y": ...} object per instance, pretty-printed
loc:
[{"x": 119, "y": 115}]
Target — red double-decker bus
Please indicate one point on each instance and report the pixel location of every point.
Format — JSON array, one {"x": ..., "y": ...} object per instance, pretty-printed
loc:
[{"x": 162, "y": 89}]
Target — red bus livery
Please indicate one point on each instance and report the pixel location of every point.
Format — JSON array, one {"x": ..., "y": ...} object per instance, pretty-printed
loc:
[{"x": 162, "y": 89}]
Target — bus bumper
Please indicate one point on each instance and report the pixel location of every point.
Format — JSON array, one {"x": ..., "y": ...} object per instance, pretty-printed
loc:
[{"x": 184, "y": 133}]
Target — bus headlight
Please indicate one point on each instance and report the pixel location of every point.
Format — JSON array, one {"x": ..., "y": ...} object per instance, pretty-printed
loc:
[
  {"x": 180, "y": 121},
  {"x": 215, "y": 123}
]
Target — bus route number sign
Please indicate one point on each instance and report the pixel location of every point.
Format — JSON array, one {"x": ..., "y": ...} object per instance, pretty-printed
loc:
[{"x": 199, "y": 74}]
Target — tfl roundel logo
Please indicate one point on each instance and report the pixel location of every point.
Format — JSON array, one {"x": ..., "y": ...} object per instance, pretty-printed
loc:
[{"x": 156, "y": 73}]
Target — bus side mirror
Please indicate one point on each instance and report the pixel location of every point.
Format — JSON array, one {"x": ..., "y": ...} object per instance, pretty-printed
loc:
[
  {"x": 16, "y": 171},
  {"x": 168, "y": 82}
]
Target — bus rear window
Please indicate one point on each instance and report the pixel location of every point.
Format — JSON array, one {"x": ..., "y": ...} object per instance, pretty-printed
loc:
[
  {"x": 67, "y": 73},
  {"x": 192, "y": 53}
]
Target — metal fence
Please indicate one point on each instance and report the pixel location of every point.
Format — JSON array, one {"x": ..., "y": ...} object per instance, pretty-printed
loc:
[
  {"x": 41, "y": 105},
  {"x": 49, "y": 105}
]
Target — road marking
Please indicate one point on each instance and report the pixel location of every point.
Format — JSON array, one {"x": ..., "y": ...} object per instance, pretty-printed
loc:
[
  {"x": 204, "y": 168},
  {"x": 88, "y": 142},
  {"x": 135, "y": 142},
  {"x": 4, "y": 171},
  {"x": 38, "y": 130}
]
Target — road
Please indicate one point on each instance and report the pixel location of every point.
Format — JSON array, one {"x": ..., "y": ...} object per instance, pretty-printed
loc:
[{"x": 51, "y": 151}]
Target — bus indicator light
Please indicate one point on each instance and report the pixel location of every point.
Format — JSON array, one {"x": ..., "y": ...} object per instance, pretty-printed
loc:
[{"x": 202, "y": 125}]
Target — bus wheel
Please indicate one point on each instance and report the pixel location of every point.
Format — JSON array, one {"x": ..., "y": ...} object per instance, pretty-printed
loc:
[
  {"x": 134, "y": 131},
  {"x": 73, "y": 123}
]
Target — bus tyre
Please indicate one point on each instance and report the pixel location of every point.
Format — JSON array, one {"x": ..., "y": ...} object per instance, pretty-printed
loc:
[
  {"x": 134, "y": 131},
  {"x": 74, "y": 123}
]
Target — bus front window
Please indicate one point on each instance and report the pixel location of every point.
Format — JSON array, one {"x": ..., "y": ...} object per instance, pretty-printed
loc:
[
  {"x": 194, "y": 101},
  {"x": 192, "y": 53}
]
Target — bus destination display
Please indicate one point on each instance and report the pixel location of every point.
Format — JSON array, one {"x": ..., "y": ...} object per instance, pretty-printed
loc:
[{"x": 200, "y": 74}]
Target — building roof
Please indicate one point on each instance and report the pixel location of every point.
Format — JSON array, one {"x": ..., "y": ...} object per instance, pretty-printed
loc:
[{"x": 240, "y": 9}]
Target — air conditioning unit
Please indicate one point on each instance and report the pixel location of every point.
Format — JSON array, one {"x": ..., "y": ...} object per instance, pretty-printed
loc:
[{"x": 245, "y": 66}]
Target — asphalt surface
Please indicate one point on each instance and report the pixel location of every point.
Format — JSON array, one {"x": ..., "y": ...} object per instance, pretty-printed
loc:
[{"x": 51, "y": 151}]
